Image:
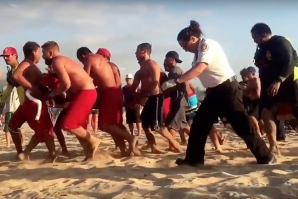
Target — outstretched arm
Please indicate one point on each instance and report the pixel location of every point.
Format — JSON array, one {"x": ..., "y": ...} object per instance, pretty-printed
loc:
[{"x": 136, "y": 82}]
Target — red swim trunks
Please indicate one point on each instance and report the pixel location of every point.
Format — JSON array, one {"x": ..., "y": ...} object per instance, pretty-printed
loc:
[
  {"x": 26, "y": 113},
  {"x": 166, "y": 107},
  {"x": 110, "y": 107},
  {"x": 77, "y": 113}
]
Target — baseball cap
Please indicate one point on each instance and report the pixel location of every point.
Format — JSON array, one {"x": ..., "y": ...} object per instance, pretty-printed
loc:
[
  {"x": 103, "y": 51},
  {"x": 251, "y": 69},
  {"x": 129, "y": 76},
  {"x": 9, "y": 51},
  {"x": 175, "y": 55}
]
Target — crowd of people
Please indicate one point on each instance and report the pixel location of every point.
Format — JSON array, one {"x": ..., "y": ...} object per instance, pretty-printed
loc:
[{"x": 155, "y": 101}]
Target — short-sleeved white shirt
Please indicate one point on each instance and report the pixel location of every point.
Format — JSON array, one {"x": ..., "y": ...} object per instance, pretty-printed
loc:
[{"x": 218, "y": 69}]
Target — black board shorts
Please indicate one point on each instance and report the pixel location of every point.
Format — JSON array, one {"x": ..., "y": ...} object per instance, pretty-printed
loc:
[{"x": 152, "y": 114}]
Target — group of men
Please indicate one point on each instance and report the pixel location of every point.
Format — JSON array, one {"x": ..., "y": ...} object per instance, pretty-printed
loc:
[{"x": 94, "y": 88}]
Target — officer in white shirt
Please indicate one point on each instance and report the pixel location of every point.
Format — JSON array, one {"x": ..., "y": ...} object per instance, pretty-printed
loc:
[{"x": 223, "y": 98}]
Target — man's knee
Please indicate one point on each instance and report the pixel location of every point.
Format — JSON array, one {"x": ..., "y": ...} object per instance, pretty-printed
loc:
[{"x": 267, "y": 114}]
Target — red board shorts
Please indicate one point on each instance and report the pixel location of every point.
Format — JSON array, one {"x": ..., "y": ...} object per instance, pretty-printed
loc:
[
  {"x": 166, "y": 108},
  {"x": 78, "y": 110},
  {"x": 26, "y": 113},
  {"x": 110, "y": 105}
]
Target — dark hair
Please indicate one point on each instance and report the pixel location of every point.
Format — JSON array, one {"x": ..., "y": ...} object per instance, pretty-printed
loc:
[
  {"x": 193, "y": 29},
  {"x": 50, "y": 45},
  {"x": 29, "y": 47},
  {"x": 261, "y": 29},
  {"x": 83, "y": 51},
  {"x": 145, "y": 46}
]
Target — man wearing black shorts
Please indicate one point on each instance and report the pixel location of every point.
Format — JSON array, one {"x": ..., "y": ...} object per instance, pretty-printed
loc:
[
  {"x": 132, "y": 106},
  {"x": 151, "y": 76}
]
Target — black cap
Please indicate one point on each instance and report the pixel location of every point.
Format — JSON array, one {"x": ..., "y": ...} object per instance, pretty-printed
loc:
[{"x": 174, "y": 55}]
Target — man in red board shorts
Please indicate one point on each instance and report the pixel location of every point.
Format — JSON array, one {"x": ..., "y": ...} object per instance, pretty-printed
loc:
[
  {"x": 29, "y": 77},
  {"x": 110, "y": 100},
  {"x": 106, "y": 54},
  {"x": 78, "y": 84}
]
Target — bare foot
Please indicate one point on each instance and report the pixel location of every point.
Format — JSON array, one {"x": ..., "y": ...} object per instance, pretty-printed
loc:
[
  {"x": 136, "y": 152},
  {"x": 134, "y": 149},
  {"x": 23, "y": 156},
  {"x": 88, "y": 159},
  {"x": 218, "y": 151},
  {"x": 146, "y": 147},
  {"x": 116, "y": 149},
  {"x": 172, "y": 149},
  {"x": 8, "y": 146},
  {"x": 155, "y": 150},
  {"x": 95, "y": 145},
  {"x": 222, "y": 140}
]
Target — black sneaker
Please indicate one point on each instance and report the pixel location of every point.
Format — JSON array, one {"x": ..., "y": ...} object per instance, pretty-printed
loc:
[
  {"x": 272, "y": 160},
  {"x": 183, "y": 162}
]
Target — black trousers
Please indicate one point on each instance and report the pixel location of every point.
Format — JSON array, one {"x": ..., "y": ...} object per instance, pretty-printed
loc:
[{"x": 224, "y": 100}]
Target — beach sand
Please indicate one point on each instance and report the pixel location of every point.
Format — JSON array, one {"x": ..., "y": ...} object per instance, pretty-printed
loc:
[{"x": 232, "y": 174}]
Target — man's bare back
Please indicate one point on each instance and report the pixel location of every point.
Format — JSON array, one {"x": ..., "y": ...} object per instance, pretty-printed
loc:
[
  {"x": 77, "y": 77},
  {"x": 116, "y": 73},
  {"x": 253, "y": 88},
  {"x": 101, "y": 72}
]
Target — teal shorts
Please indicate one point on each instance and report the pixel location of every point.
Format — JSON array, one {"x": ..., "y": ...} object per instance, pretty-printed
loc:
[{"x": 7, "y": 119}]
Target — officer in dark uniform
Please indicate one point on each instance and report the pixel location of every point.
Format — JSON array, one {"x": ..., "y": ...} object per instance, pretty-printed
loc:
[{"x": 277, "y": 60}]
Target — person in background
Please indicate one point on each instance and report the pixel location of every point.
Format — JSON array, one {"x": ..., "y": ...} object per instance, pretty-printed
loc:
[
  {"x": 277, "y": 62},
  {"x": 251, "y": 96},
  {"x": 132, "y": 106},
  {"x": 13, "y": 95},
  {"x": 93, "y": 120}
]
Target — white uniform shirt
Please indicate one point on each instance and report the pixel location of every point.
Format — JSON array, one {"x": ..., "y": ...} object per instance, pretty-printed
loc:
[{"x": 218, "y": 69}]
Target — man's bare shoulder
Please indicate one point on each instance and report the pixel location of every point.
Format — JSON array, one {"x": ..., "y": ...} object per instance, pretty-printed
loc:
[
  {"x": 24, "y": 64},
  {"x": 152, "y": 65}
]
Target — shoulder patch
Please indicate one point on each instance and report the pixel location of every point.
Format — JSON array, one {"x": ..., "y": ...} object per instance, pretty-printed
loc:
[{"x": 204, "y": 47}]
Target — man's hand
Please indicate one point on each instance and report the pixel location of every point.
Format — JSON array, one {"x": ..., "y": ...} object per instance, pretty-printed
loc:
[
  {"x": 273, "y": 89},
  {"x": 168, "y": 84}
]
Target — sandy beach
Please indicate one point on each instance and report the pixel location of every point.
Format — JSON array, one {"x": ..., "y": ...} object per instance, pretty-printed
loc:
[{"x": 230, "y": 175}]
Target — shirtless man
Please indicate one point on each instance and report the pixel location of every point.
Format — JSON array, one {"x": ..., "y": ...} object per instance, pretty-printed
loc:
[
  {"x": 110, "y": 100},
  {"x": 117, "y": 76},
  {"x": 107, "y": 55},
  {"x": 252, "y": 92},
  {"x": 81, "y": 91},
  {"x": 150, "y": 76},
  {"x": 29, "y": 77}
]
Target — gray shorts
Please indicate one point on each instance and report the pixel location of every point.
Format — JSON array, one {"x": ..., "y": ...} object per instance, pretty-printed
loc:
[{"x": 176, "y": 118}]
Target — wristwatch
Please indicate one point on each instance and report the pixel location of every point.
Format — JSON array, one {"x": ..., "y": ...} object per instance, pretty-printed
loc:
[{"x": 281, "y": 79}]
